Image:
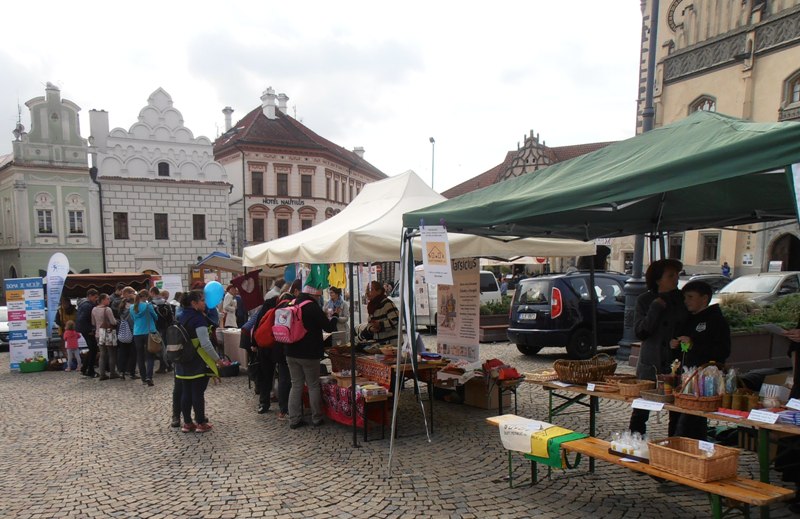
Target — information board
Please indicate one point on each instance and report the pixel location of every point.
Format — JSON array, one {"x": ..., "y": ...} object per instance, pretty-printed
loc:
[
  {"x": 27, "y": 319},
  {"x": 457, "y": 330}
]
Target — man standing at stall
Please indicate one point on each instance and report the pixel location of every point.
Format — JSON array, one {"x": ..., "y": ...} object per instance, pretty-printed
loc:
[{"x": 84, "y": 326}]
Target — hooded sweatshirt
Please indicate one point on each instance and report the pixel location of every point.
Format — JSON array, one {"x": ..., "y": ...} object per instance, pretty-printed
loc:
[{"x": 711, "y": 338}]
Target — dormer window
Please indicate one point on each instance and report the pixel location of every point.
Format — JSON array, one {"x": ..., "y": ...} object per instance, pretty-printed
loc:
[{"x": 163, "y": 169}]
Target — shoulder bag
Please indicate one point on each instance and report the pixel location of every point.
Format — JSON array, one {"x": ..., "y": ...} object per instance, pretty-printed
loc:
[{"x": 153, "y": 338}]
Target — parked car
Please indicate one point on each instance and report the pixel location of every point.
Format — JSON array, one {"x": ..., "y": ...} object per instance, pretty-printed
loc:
[
  {"x": 763, "y": 288},
  {"x": 4, "y": 328},
  {"x": 717, "y": 281},
  {"x": 490, "y": 291},
  {"x": 555, "y": 310}
]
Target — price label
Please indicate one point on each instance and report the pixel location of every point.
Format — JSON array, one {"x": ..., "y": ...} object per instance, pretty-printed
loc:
[
  {"x": 793, "y": 403},
  {"x": 589, "y": 387},
  {"x": 706, "y": 447},
  {"x": 757, "y": 415},
  {"x": 649, "y": 405},
  {"x": 560, "y": 384}
]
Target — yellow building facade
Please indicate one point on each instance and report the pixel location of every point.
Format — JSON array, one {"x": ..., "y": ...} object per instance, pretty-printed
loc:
[{"x": 740, "y": 58}]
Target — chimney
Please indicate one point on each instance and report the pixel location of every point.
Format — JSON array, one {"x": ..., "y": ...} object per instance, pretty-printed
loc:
[
  {"x": 268, "y": 103},
  {"x": 98, "y": 128},
  {"x": 359, "y": 150},
  {"x": 227, "y": 111},
  {"x": 282, "y": 98}
]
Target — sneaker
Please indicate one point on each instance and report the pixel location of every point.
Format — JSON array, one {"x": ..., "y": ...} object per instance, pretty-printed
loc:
[
  {"x": 176, "y": 422},
  {"x": 263, "y": 409},
  {"x": 104, "y": 377},
  {"x": 283, "y": 416},
  {"x": 297, "y": 425},
  {"x": 67, "y": 370},
  {"x": 203, "y": 427},
  {"x": 188, "y": 427},
  {"x": 149, "y": 382}
]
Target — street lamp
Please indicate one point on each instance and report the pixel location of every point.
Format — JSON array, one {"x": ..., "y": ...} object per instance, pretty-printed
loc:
[
  {"x": 433, "y": 156},
  {"x": 221, "y": 242}
]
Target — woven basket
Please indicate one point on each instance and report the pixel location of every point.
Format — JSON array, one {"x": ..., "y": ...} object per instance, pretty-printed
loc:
[
  {"x": 583, "y": 371},
  {"x": 605, "y": 387},
  {"x": 683, "y": 457},
  {"x": 696, "y": 403},
  {"x": 541, "y": 376},
  {"x": 632, "y": 387},
  {"x": 656, "y": 395},
  {"x": 614, "y": 379}
]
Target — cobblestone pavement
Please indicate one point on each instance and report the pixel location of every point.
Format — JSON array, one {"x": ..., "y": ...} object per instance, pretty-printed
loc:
[{"x": 73, "y": 447}]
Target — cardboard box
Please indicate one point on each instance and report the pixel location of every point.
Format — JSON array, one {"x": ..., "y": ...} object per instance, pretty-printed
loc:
[
  {"x": 346, "y": 381},
  {"x": 476, "y": 394}
]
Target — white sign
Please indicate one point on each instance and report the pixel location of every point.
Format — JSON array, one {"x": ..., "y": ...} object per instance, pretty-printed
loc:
[
  {"x": 171, "y": 283},
  {"x": 649, "y": 405},
  {"x": 775, "y": 266},
  {"x": 458, "y": 312},
  {"x": 57, "y": 271},
  {"x": 422, "y": 299},
  {"x": 706, "y": 447},
  {"x": 793, "y": 403},
  {"x": 795, "y": 184},
  {"x": 747, "y": 259},
  {"x": 436, "y": 254},
  {"x": 757, "y": 415},
  {"x": 590, "y": 387},
  {"x": 516, "y": 434},
  {"x": 560, "y": 384}
]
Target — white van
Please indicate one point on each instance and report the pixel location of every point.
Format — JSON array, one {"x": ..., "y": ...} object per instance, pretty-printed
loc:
[{"x": 425, "y": 296}]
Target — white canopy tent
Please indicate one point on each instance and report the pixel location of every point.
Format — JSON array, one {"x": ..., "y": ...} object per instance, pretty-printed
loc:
[{"x": 370, "y": 229}]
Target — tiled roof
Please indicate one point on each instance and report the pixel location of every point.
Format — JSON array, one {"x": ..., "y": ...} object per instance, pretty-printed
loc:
[
  {"x": 557, "y": 154},
  {"x": 286, "y": 132},
  {"x": 483, "y": 180}
]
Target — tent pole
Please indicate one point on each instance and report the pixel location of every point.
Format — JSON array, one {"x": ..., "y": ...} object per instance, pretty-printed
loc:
[
  {"x": 353, "y": 361},
  {"x": 396, "y": 401},
  {"x": 593, "y": 297}
]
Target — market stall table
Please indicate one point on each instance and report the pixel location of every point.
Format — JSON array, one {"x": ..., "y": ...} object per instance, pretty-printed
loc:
[{"x": 578, "y": 393}]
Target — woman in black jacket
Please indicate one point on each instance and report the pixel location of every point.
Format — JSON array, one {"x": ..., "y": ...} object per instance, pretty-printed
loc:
[
  {"x": 303, "y": 358},
  {"x": 660, "y": 315}
]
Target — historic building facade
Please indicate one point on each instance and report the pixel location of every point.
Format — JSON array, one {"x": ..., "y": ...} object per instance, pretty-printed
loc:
[
  {"x": 164, "y": 198},
  {"x": 285, "y": 177},
  {"x": 740, "y": 58},
  {"x": 48, "y": 202}
]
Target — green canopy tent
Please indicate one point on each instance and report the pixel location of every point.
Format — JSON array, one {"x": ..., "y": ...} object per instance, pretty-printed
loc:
[{"x": 708, "y": 170}]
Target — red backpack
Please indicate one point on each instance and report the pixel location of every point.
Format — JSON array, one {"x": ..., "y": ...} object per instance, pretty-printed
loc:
[{"x": 262, "y": 335}]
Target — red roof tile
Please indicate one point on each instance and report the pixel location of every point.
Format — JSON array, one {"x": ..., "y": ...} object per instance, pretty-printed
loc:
[{"x": 286, "y": 132}]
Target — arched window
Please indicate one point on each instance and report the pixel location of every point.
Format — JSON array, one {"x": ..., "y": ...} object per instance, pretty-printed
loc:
[
  {"x": 790, "y": 104},
  {"x": 12, "y": 272},
  {"x": 163, "y": 169},
  {"x": 705, "y": 103}
]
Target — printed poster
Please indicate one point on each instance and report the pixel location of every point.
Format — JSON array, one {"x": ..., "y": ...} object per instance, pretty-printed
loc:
[
  {"x": 422, "y": 299},
  {"x": 57, "y": 272},
  {"x": 436, "y": 254},
  {"x": 457, "y": 328},
  {"x": 27, "y": 319}
]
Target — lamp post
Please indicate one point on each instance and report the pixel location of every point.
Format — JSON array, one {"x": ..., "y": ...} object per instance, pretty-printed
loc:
[{"x": 433, "y": 157}]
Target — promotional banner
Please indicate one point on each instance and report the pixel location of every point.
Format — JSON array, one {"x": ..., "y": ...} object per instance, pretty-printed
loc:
[
  {"x": 170, "y": 282},
  {"x": 459, "y": 304},
  {"x": 27, "y": 319},
  {"x": 436, "y": 254},
  {"x": 57, "y": 271}
]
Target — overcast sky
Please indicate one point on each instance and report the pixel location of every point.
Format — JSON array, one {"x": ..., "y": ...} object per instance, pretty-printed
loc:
[{"x": 476, "y": 76}]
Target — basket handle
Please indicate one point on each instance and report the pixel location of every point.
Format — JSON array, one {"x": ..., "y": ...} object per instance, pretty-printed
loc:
[{"x": 602, "y": 356}]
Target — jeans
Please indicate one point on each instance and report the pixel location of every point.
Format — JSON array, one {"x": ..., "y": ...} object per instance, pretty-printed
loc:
[
  {"x": 126, "y": 358},
  {"x": 91, "y": 343},
  {"x": 304, "y": 371},
  {"x": 108, "y": 357},
  {"x": 267, "y": 364},
  {"x": 142, "y": 355},
  {"x": 73, "y": 354},
  {"x": 177, "y": 392},
  {"x": 193, "y": 396}
]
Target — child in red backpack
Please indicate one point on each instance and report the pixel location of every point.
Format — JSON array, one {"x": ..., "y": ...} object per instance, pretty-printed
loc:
[{"x": 71, "y": 340}]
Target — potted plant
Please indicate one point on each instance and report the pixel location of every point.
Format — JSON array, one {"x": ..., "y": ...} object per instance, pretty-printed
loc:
[
  {"x": 493, "y": 320},
  {"x": 751, "y": 347}
]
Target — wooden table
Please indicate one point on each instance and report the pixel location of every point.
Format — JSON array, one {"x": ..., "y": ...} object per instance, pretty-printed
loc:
[
  {"x": 579, "y": 393},
  {"x": 744, "y": 490}
]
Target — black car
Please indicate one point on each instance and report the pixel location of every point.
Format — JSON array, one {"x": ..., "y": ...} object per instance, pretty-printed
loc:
[{"x": 555, "y": 310}]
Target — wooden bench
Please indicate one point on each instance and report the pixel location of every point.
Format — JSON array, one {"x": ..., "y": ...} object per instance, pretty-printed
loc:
[
  {"x": 747, "y": 491},
  {"x": 493, "y": 333}
]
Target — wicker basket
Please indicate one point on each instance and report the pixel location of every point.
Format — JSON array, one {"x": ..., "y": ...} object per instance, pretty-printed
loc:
[
  {"x": 632, "y": 387},
  {"x": 541, "y": 376},
  {"x": 696, "y": 403},
  {"x": 583, "y": 371},
  {"x": 605, "y": 387},
  {"x": 683, "y": 457},
  {"x": 656, "y": 395},
  {"x": 614, "y": 379}
]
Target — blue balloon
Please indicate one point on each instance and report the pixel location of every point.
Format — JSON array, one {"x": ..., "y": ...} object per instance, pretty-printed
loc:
[{"x": 214, "y": 293}]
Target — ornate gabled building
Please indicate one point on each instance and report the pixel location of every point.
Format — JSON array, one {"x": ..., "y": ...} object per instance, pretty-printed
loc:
[
  {"x": 164, "y": 198},
  {"x": 48, "y": 201},
  {"x": 285, "y": 177},
  {"x": 740, "y": 58}
]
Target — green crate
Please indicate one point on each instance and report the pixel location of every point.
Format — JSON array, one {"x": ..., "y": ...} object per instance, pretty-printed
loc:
[{"x": 32, "y": 367}]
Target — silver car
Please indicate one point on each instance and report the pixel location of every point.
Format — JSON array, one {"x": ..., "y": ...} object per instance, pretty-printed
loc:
[{"x": 762, "y": 288}]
